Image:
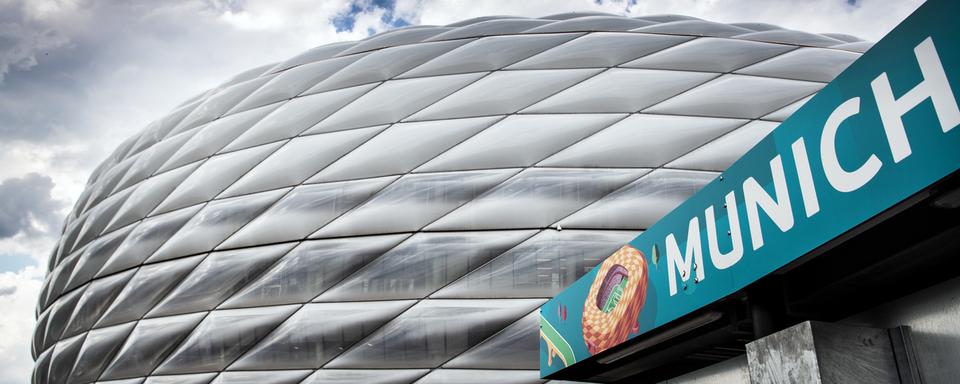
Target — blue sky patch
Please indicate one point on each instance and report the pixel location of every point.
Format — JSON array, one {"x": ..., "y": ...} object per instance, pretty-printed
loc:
[
  {"x": 14, "y": 262},
  {"x": 345, "y": 21}
]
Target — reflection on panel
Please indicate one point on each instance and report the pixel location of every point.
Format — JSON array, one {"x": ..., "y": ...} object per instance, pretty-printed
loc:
[
  {"x": 737, "y": 96},
  {"x": 642, "y": 141},
  {"x": 402, "y": 147},
  {"x": 476, "y": 376},
  {"x": 642, "y": 203},
  {"x": 148, "y": 344},
  {"x": 311, "y": 268},
  {"x": 146, "y": 288},
  {"x": 489, "y": 54},
  {"x": 222, "y": 337},
  {"x": 432, "y": 332},
  {"x": 600, "y": 50},
  {"x": 305, "y": 209},
  {"x": 722, "y": 152},
  {"x": 414, "y": 201},
  {"x": 422, "y": 264},
  {"x": 369, "y": 376},
  {"x": 216, "y": 221},
  {"x": 515, "y": 347},
  {"x": 271, "y": 377},
  {"x": 319, "y": 332},
  {"x": 385, "y": 64},
  {"x": 536, "y": 198},
  {"x": 725, "y": 55},
  {"x": 519, "y": 141},
  {"x": 618, "y": 90},
  {"x": 149, "y": 235},
  {"x": 298, "y": 159},
  {"x": 217, "y": 277},
  {"x": 539, "y": 267},
  {"x": 490, "y": 96},
  {"x": 98, "y": 348}
]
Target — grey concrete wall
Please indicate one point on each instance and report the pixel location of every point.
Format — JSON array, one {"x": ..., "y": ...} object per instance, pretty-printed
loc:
[{"x": 934, "y": 316}]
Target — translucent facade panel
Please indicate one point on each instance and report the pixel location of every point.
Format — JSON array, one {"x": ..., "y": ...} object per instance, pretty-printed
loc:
[
  {"x": 98, "y": 348},
  {"x": 859, "y": 47},
  {"x": 99, "y": 217},
  {"x": 138, "y": 380},
  {"x": 413, "y": 201},
  {"x": 536, "y": 198},
  {"x": 591, "y": 23},
  {"x": 146, "y": 288},
  {"x": 304, "y": 210},
  {"x": 294, "y": 81},
  {"x": 422, "y": 264},
  {"x": 400, "y": 36},
  {"x": 725, "y": 55},
  {"x": 311, "y": 268},
  {"x": 621, "y": 90},
  {"x": 695, "y": 28},
  {"x": 196, "y": 378},
  {"x": 489, "y": 96},
  {"x": 212, "y": 137},
  {"x": 216, "y": 105},
  {"x": 785, "y": 112},
  {"x": 222, "y": 337},
  {"x": 385, "y": 64},
  {"x": 519, "y": 141},
  {"x": 719, "y": 154},
  {"x": 94, "y": 301},
  {"x": 215, "y": 175},
  {"x": 263, "y": 377},
  {"x": 217, "y": 277},
  {"x": 476, "y": 376},
  {"x": 515, "y": 347},
  {"x": 41, "y": 367},
  {"x": 149, "y": 194},
  {"x": 391, "y": 102},
  {"x": 488, "y": 54},
  {"x": 63, "y": 357},
  {"x": 757, "y": 26},
  {"x": 811, "y": 64},
  {"x": 214, "y": 223},
  {"x": 432, "y": 332},
  {"x": 600, "y": 50},
  {"x": 650, "y": 141},
  {"x": 317, "y": 333},
  {"x": 94, "y": 256},
  {"x": 148, "y": 344},
  {"x": 480, "y": 19},
  {"x": 59, "y": 279},
  {"x": 296, "y": 115},
  {"x": 374, "y": 376},
  {"x": 59, "y": 316},
  {"x": 39, "y": 332},
  {"x": 160, "y": 129},
  {"x": 540, "y": 267},
  {"x": 149, "y": 235},
  {"x": 641, "y": 203},
  {"x": 402, "y": 147},
  {"x": 491, "y": 27},
  {"x": 737, "y": 96},
  {"x": 314, "y": 54},
  {"x": 152, "y": 158},
  {"x": 299, "y": 159},
  {"x": 573, "y": 15},
  {"x": 791, "y": 37}
]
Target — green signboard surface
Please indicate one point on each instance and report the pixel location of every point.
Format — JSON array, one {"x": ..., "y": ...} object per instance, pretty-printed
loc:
[{"x": 883, "y": 130}]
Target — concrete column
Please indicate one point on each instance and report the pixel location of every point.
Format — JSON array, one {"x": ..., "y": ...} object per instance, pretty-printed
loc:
[{"x": 823, "y": 353}]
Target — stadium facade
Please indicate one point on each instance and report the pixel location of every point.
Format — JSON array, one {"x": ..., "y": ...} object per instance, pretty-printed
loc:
[{"x": 397, "y": 209}]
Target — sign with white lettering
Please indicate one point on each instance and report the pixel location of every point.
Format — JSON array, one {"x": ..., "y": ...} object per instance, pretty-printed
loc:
[{"x": 883, "y": 130}]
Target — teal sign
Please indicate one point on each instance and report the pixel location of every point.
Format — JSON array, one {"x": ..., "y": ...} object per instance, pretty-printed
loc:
[{"x": 883, "y": 130}]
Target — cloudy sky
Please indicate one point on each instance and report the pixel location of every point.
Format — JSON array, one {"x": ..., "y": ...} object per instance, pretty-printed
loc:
[{"x": 77, "y": 77}]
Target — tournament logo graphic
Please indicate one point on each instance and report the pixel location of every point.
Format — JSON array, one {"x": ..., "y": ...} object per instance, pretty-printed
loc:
[{"x": 612, "y": 308}]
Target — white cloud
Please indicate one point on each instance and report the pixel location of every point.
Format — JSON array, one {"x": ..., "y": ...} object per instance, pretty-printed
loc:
[
  {"x": 18, "y": 298},
  {"x": 82, "y": 76}
]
